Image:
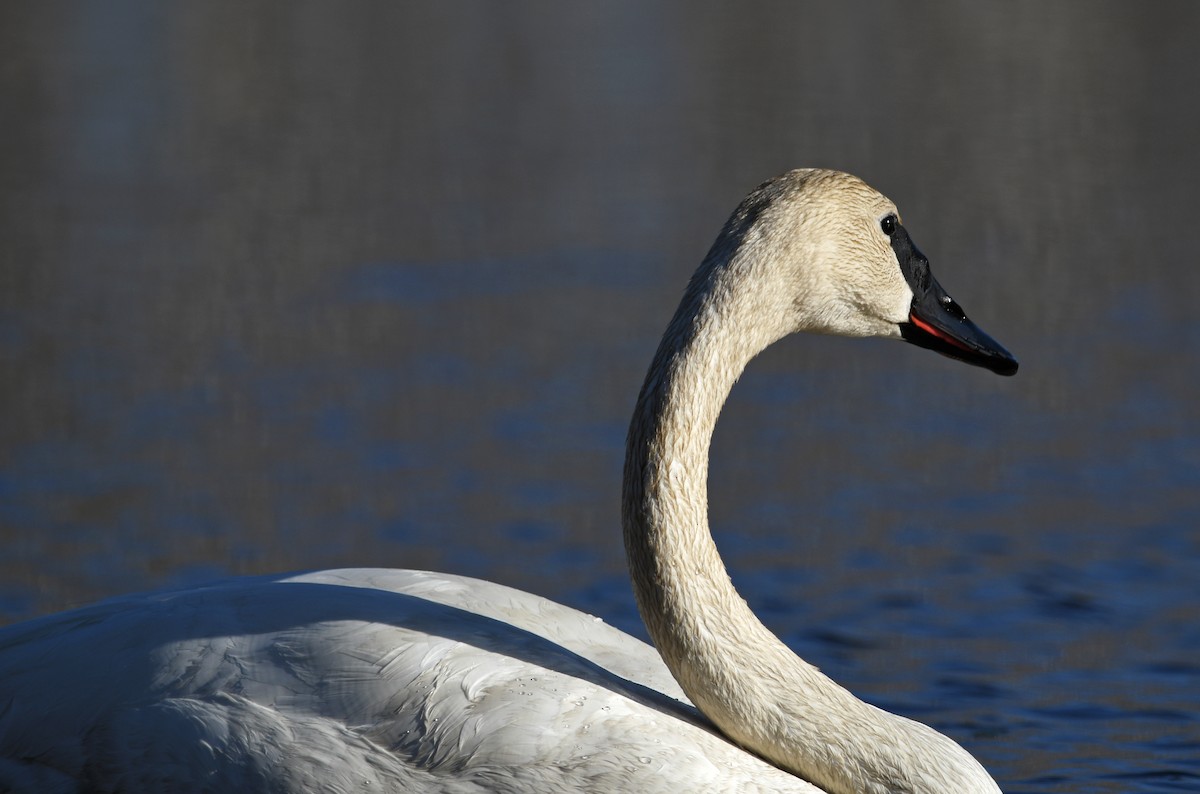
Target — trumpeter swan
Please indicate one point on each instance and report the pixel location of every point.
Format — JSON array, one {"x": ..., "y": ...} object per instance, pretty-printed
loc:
[{"x": 352, "y": 680}]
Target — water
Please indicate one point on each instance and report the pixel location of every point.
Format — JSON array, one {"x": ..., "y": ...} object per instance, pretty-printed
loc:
[{"x": 376, "y": 285}]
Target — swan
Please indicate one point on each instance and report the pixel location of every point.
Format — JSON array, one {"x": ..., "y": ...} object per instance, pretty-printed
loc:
[{"x": 392, "y": 680}]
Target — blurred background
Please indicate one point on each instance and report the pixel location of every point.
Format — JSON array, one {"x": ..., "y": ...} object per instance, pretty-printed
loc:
[{"x": 307, "y": 284}]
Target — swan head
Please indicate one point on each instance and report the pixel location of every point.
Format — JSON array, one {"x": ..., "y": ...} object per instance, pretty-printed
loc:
[{"x": 829, "y": 254}]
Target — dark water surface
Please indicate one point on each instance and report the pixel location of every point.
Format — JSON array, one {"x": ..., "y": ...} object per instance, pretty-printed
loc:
[{"x": 376, "y": 284}]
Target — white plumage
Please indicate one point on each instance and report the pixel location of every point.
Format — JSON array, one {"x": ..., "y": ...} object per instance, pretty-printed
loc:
[
  {"x": 351, "y": 680},
  {"x": 382, "y": 680}
]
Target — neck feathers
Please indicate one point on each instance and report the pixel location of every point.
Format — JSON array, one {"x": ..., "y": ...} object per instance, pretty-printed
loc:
[{"x": 743, "y": 678}]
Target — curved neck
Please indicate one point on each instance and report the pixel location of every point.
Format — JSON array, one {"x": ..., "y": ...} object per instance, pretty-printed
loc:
[
  {"x": 675, "y": 566},
  {"x": 743, "y": 678},
  {"x": 724, "y": 658}
]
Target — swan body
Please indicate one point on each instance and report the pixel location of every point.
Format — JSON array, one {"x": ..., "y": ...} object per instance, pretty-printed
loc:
[
  {"x": 383, "y": 680},
  {"x": 351, "y": 680}
]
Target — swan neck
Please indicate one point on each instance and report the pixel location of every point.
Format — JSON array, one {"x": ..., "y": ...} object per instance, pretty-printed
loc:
[
  {"x": 743, "y": 678},
  {"x": 706, "y": 633}
]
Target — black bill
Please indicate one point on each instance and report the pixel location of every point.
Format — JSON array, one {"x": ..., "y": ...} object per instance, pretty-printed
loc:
[{"x": 936, "y": 322}]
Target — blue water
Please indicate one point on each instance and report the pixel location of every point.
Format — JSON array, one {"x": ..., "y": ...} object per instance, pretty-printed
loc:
[{"x": 350, "y": 287}]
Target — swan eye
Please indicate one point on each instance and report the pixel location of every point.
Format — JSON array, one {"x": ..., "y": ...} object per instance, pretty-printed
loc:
[{"x": 888, "y": 224}]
